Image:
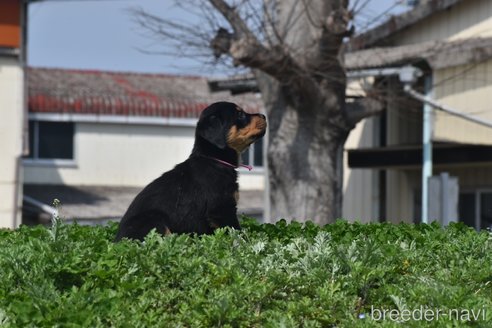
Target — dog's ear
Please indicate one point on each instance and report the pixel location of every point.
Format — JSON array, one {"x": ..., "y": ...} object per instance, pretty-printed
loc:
[{"x": 211, "y": 129}]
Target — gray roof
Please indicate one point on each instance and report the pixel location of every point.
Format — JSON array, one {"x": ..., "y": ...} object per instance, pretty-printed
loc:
[
  {"x": 438, "y": 54},
  {"x": 398, "y": 23}
]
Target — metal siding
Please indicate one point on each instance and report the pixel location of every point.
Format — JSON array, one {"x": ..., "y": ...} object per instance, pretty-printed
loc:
[
  {"x": 465, "y": 20},
  {"x": 358, "y": 185},
  {"x": 402, "y": 187},
  {"x": 471, "y": 91},
  {"x": 470, "y": 178},
  {"x": 359, "y": 202},
  {"x": 467, "y": 89},
  {"x": 404, "y": 118},
  {"x": 399, "y": 197}
]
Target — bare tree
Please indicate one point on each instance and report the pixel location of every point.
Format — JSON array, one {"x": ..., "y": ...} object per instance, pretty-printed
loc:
[{"x": 293, "y": 48}]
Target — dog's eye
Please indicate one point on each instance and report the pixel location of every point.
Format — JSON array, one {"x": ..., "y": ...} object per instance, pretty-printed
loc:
[{"x": 242, "y": 119}]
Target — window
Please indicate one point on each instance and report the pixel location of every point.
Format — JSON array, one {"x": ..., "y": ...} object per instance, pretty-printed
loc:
[
  {"x": 254, "y": 155},
  {"x": 475, "y": 209},
  {"x": 51, "y": 140}
]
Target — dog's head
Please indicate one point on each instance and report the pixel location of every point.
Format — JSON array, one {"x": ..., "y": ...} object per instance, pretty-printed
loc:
[{"x": 226, "y": 125}]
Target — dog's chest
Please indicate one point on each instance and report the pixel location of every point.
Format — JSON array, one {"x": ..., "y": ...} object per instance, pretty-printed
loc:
[{"x": 227, "y": 192}]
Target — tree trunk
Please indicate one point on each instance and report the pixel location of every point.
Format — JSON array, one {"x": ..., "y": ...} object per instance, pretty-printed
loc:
[
  {"x": 304, "y": 158},
  {"x": 302, "y": 82},
  {"x": 294, "y": 48}
]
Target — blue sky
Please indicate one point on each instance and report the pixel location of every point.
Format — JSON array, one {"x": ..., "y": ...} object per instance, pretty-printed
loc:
[{"x": 100, "y": 34}]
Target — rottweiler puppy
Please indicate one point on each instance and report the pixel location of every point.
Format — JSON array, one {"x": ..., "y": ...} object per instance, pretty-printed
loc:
[{"x": 200, "y": 194}]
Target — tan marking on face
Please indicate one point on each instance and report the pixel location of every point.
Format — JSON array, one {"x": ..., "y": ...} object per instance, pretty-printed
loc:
[
  {"x": 214, "y": 225},
  {"x": 240, "y": 139},
  {"x": 167, "y": 232}
]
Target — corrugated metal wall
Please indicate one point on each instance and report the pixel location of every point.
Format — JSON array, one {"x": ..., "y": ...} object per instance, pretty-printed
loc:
[
  {"x": 466, "y": 88},
  {"x": 468, "y": 19},
  {"x": 360, "y": 197}
]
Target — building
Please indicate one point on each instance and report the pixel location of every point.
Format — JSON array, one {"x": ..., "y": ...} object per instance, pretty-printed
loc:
[
  {"x": 96, "y": 138},
  {"x": 450, "y": 41},
  {"x": 12, "y": 110},
  {"x": 107, "y": 115}
]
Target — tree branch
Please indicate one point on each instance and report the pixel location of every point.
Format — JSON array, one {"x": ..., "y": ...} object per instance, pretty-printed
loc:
[
  {"x": 231, "y": 15},
  {"x": 245, "y": 49},
  {"x": 363, "y": 108},
  {"x": 333, "y": 31}
]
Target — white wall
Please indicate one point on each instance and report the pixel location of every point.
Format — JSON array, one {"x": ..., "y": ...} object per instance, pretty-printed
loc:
[
  {"x": 123, "y": 155},
  {"x": 11, "y": 124}
]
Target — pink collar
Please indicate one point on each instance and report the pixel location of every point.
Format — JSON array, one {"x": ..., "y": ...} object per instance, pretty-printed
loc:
[{"x": 249, "y": 167}]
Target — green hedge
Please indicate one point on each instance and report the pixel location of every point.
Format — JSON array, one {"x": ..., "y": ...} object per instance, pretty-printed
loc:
[{"x": 283, "y": 275}]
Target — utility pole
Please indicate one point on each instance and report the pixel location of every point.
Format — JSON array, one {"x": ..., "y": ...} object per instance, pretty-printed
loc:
[{"x": 426, "y": 149}]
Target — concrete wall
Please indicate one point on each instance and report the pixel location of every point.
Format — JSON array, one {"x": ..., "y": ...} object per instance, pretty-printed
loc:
[
  {"x": 11, "y": 125},
  {"x": 123, "y": 155}
]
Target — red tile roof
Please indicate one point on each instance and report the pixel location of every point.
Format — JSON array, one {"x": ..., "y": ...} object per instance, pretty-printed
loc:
[{"x": 130, "y": 94}]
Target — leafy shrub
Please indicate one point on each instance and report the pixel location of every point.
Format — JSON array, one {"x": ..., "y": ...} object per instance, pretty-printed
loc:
[{"x": 263, "y": 276}]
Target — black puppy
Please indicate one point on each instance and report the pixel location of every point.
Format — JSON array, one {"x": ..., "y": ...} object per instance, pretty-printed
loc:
[{"x": 200, "y": 194}]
